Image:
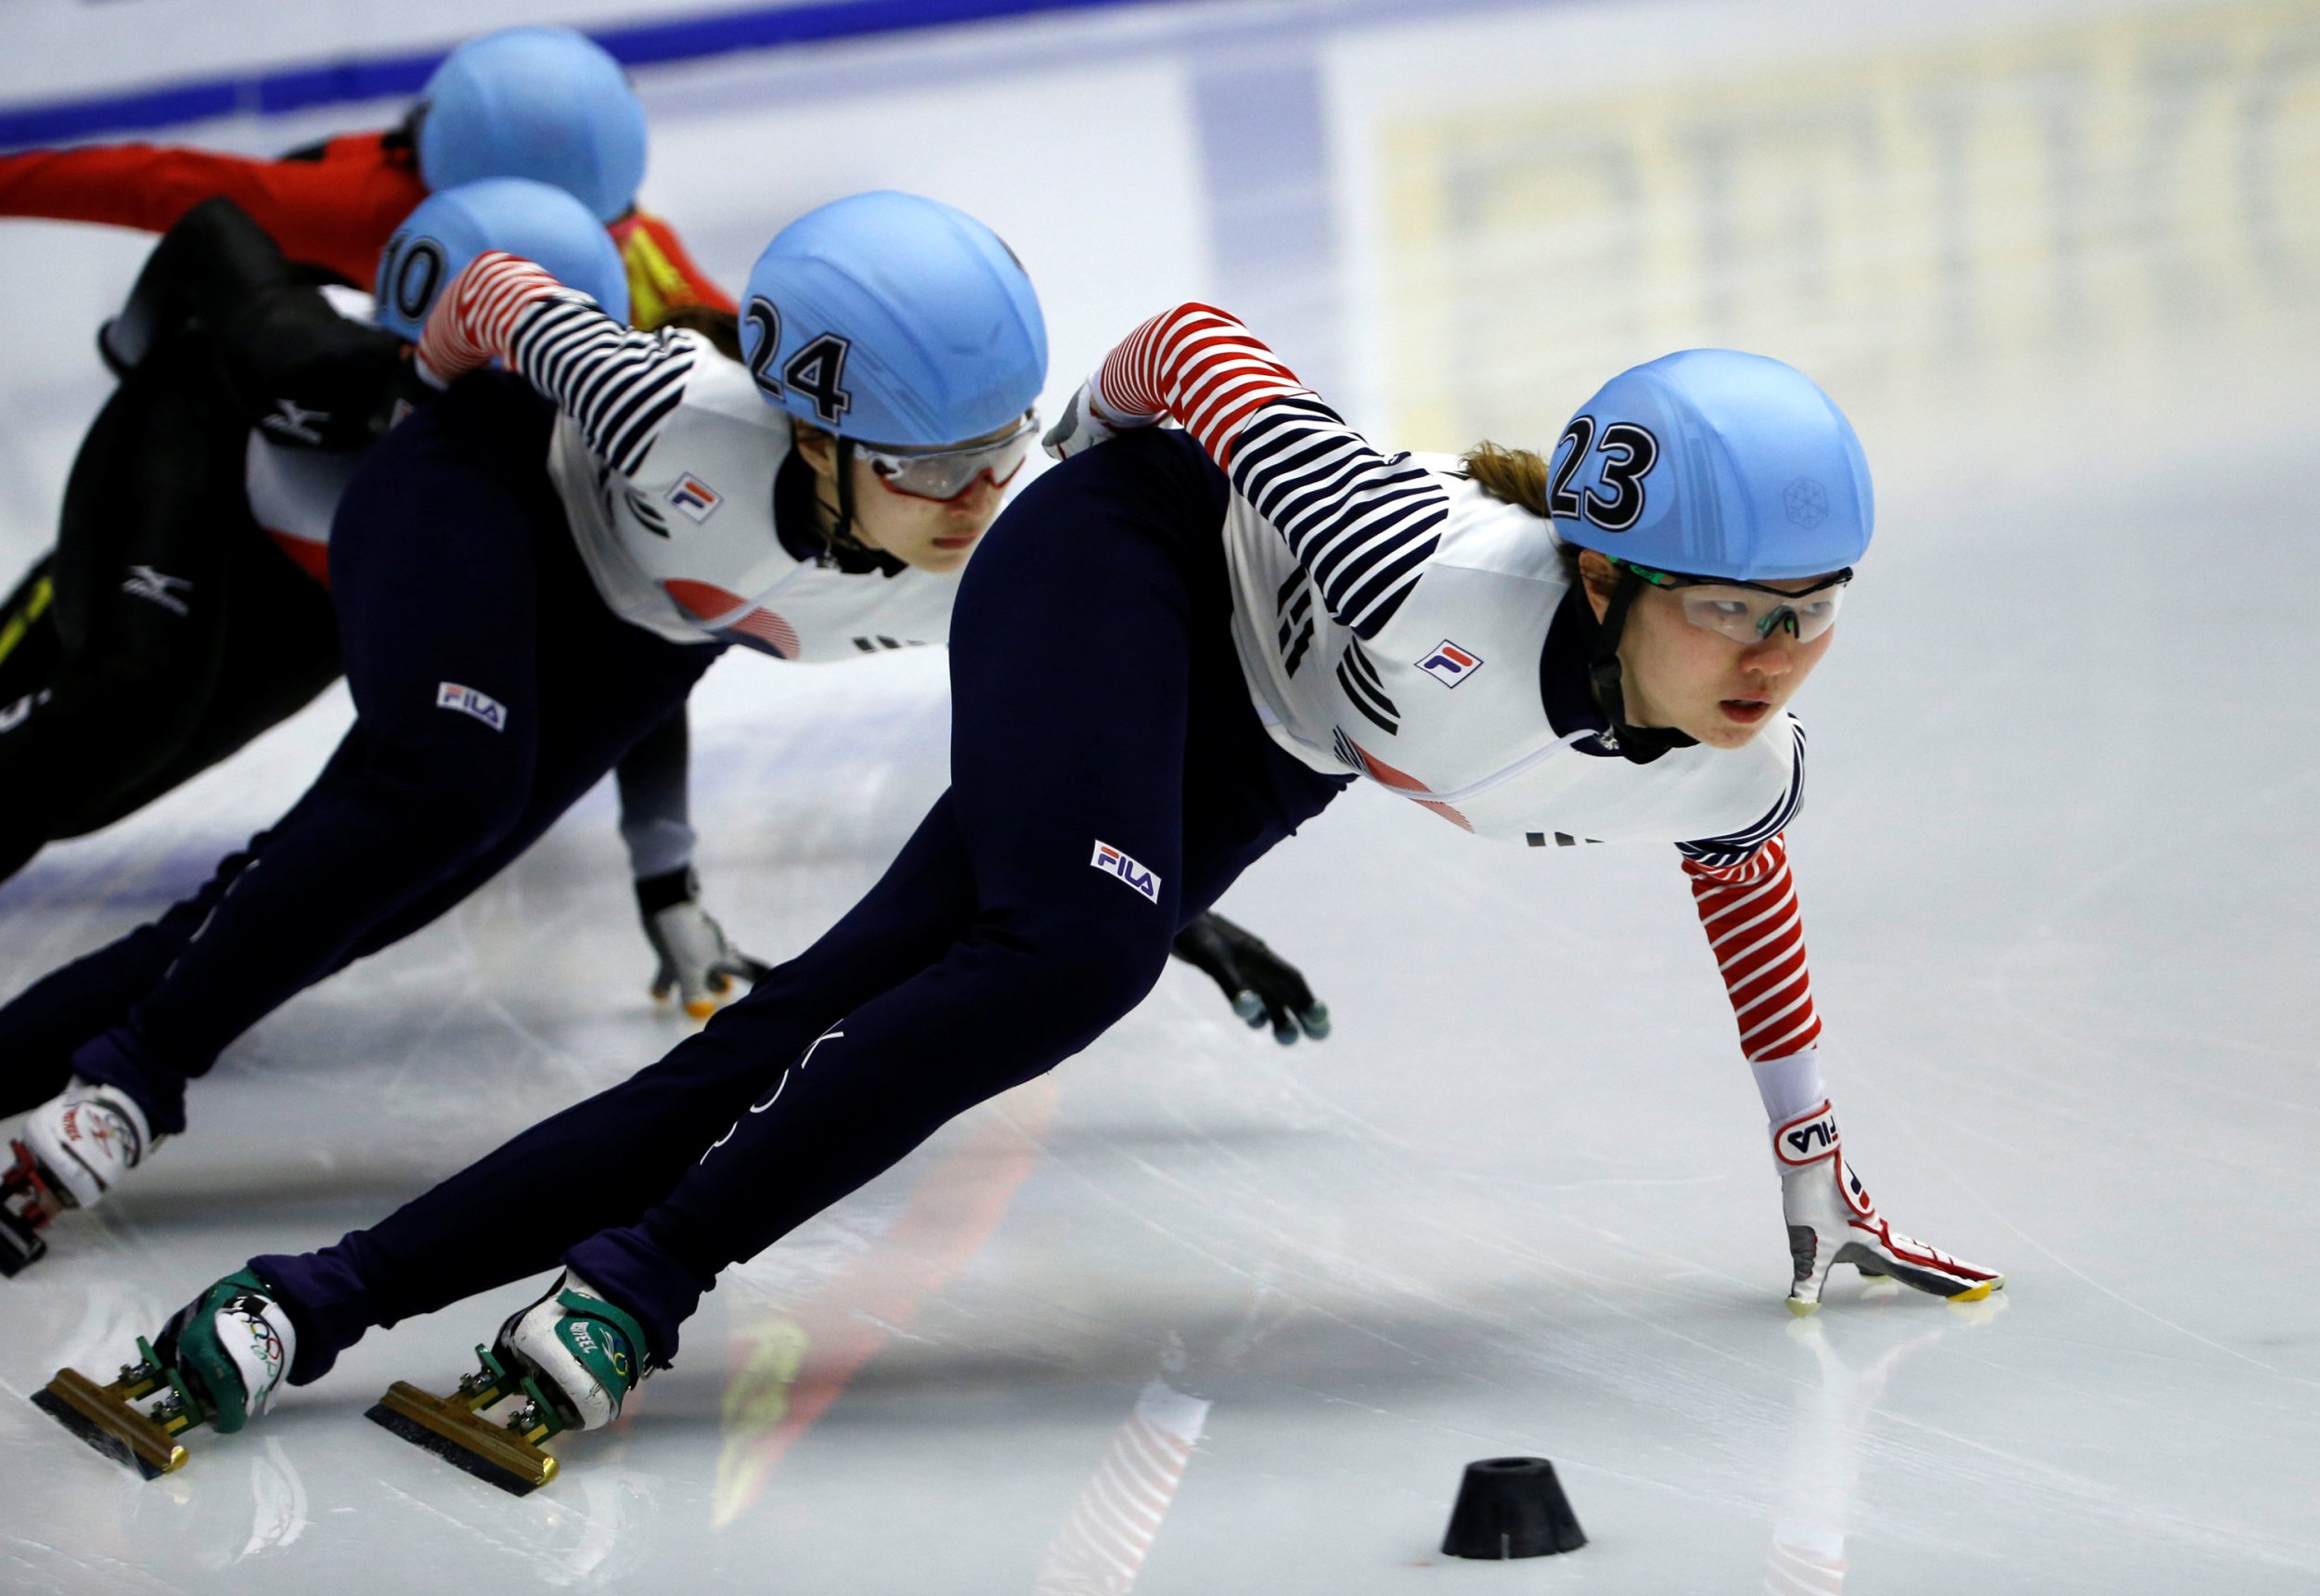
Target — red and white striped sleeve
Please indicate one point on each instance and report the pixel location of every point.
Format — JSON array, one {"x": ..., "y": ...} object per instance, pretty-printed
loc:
[
  {"x": 474, "y": 320},
  {"x": 618, "y": 383},
  {"x": 1362, "y": 523},
  {"x": 1199, "y": 366},
  {"x": 1749, "y": 912}
]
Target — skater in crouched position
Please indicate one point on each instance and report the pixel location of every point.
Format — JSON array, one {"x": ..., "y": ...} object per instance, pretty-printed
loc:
[
  {"x": 1256, "y": 611},
  {"x": 163, "y": 634},
  {"x": 532, "y": 569},
  {"x": 186, "y": 607},
  {"x": 193, "y": 469}
]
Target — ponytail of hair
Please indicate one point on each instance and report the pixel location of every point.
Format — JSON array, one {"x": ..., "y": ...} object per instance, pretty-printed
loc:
[
  {"x": 1515, "y": 476},
  {"x": 1518, "y": 477}
]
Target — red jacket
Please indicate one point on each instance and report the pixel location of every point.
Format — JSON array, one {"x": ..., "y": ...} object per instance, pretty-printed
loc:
[{"x": 335, "y": 209}]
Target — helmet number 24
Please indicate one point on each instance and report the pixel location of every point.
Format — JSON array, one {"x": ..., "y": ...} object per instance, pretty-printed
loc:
[
  {"x": 1629, "y": 453},
  {"x": 816, "y": 371}
]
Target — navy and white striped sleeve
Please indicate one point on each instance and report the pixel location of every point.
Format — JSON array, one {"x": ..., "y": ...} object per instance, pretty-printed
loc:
[
  {"x": 1738, "y": 848},
  {"x": 618, "y": 383},
  {"x": 1362, "y": 523}
]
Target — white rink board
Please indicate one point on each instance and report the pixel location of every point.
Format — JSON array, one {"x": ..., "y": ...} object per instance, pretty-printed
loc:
[{"x": 2058, "y": 262}]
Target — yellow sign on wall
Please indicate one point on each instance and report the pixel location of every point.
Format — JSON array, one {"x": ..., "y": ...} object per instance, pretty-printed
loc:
[{"x": 1910, "y": 228}]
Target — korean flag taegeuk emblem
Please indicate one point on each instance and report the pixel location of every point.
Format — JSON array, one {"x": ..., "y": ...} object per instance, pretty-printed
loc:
[
  {"x": 695, "y": 497},
  {"x": 1451, "y": 665}
]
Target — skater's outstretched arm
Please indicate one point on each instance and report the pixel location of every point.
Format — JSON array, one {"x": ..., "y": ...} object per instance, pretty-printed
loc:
[
  {"x": 1747, "y": 905},
  {"x": 697, "y": 965},
  {"x": 1362, "y": 523},
  {"x": 618, "y": 383},
  {"x": 334, "y": 209}
]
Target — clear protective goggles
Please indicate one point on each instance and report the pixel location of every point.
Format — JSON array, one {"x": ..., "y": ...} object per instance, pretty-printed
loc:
[
  {"x": 948, "y": 474},
  {"x": 1748, "y": 612}
]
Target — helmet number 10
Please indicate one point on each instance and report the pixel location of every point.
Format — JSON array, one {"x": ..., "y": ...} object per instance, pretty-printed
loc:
[
  {"x": 1629, "y": 453},
  {"x": 816, "y": 372}
]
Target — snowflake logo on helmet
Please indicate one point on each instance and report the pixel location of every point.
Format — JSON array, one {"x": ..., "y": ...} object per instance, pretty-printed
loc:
[{"x": 1806, "y": 503}]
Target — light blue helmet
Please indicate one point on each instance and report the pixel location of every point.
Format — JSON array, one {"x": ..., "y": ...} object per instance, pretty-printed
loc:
[
  {"x": 543, "y": 103},
  {"x": 1709, "y": 462},
  {"x": 452, "y": 227},
  {"x": 887, "y": 318}
]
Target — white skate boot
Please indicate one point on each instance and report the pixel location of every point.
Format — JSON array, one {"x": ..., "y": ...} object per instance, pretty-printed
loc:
[
  {"x": 567, "y": 1362},
  {"x": 586, "y": 1354},
  {"x": 1832, "y": 1220},
  {"x": 74, "y": 1149}
]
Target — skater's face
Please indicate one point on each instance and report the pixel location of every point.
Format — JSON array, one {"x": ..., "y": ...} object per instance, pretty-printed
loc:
[
  {"x": 1709, "y": 687},
  {"x": 933, "y": 534}
]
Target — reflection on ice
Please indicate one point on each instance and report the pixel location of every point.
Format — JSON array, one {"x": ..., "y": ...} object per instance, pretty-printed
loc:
[
  {"x": 205, "y": 1521},
  {"x": 793, "y": 1357},
  {"x": 279, "y": 1502},
  {"x": 1824, "y": 1467},
  {"x": 1102, "y": 1545},
  {"x": 601, "y": 1526}
]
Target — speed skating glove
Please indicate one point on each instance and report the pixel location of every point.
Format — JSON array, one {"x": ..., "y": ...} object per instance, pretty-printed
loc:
[
  {"x": 1262, "y": 985},
  {"x": 696, "y": 963},
  {"x": 1086, "y": 423},
  {"x": 1832, "y": 1220}
]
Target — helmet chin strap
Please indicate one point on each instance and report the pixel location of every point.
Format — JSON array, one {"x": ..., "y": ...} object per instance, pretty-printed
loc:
[
  {"x": 1639, "y": 744},
  {"x": 842, "y": 536},
  {"x": 843, "y": 533}
]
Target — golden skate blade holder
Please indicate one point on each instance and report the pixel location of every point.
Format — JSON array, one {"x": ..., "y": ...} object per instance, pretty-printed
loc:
[
  {"x": 105, "y": 1418},
  {"x": 455, "y": 1432}
]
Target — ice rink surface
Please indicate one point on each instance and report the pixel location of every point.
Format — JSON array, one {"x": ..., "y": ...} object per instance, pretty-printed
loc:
[{"x": 1197, "y": 1314}]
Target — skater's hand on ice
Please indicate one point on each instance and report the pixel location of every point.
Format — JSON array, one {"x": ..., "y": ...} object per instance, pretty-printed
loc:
[
  {"x": 1832, "y": 1220},
  {"x": 698, "y": 965},
  {"x": 1086, "y": 423},
  {"x": 1262, "y": 985}
]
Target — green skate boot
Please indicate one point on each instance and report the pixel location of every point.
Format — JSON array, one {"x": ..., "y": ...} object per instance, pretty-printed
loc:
[
  {"x": 219, "y": 1361},
  {"x": 567, "y": 1362}
]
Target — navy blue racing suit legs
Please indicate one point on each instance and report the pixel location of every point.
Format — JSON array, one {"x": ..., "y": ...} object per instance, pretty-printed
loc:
[
  {"x": 492, "y": 688},
  {"x": 1109, "y": 779}
]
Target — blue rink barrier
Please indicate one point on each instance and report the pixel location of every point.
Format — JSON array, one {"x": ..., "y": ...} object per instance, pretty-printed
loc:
[{"x": 637, "y": 45}]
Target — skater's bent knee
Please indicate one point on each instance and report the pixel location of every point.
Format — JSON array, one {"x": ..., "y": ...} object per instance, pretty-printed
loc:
[
  {"x": 465, "y": 809},
  {"x": 1087, "y": 977}
]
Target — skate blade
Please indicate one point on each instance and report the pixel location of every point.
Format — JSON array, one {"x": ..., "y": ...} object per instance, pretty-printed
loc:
[
  {"x": 20, "y": 1245},
  {"x": 22, "y": 1212},
  {"x": 453, "y": 1432},
  {"x": 103, "y": 1418}
]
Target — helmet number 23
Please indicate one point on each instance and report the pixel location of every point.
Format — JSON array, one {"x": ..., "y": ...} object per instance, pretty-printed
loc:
[
  {"x": 815, "y": 371},
  {"x": 1629, "y": 453}
]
